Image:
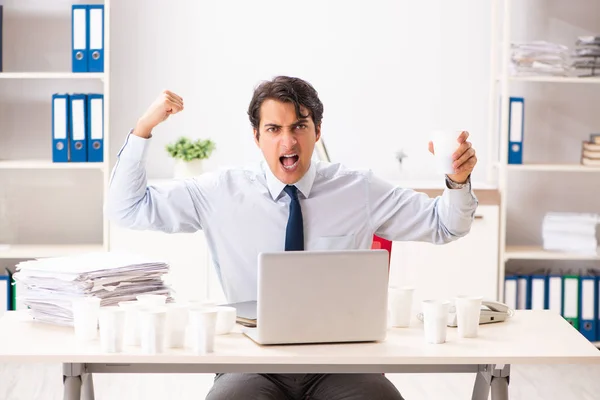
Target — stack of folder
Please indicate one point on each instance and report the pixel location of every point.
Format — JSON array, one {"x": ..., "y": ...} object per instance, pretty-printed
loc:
[
  {"x": 49, "y": 285},
  {"x": 575, "y": 297},
  {"x": 78, "y": 127},
  {"x": 87, "y": 37}
]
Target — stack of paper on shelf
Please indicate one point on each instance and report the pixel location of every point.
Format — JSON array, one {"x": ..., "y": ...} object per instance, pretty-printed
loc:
[
  {"x": 590, "y": 151},
  {"x": 570, "y": 232},
  {"x": 586, "y": 55},
  {"x": 539, "y": 58},
  {"x": 50, "y": 284}
]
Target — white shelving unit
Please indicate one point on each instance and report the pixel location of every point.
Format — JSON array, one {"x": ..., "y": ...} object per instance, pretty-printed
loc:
[
  {"x": 501, "y": 89},
  {"x": 37, "y": 63}
]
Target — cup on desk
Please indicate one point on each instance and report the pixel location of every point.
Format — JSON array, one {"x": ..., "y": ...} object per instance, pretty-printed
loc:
[
  {"x": 445, "y": 143},
  {"x": 226, "y": 317},
  {"x": 203, "y": 324},
  {"x": 153, "y": 322},
  {"x": 177, "y": 320},
  {"x": 468, "y": 309},
  {"x": 85, "y": 317},
  {"x": 112, "y": 328},
  {"x": 435, "y": 320},
  {"x": 132, "y": 322},
  {"x": 400, "y": 305}
]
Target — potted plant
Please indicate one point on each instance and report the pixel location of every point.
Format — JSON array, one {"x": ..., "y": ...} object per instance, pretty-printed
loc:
[{"x": 189, "y": 154}]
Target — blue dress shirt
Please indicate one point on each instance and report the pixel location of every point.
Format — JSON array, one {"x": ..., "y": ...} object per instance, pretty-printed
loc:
[{"x": 244, "y": 211}]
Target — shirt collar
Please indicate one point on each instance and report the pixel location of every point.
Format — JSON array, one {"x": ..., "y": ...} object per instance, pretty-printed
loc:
[{"x": 304, "y": 185}]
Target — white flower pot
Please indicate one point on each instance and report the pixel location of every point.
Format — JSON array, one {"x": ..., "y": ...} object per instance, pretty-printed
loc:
[{"x": 187, "y": 169}]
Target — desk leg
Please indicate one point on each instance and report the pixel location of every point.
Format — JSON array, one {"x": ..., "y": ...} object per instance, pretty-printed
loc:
[
  {"x": 72, "y": 381},
  {"x": 494, "y": 377},
  {"x": 87, "y": 387}
]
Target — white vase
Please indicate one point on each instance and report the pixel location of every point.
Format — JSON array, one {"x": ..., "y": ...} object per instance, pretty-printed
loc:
[{"x": 187, "y": 169}]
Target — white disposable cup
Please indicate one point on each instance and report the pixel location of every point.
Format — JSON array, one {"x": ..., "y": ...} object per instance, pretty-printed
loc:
[
  {"x": 445, "y": 143},
  {"x": 132, "y": 322},
  {"x": 152, "y": 300},
  {"x": 468, "y": 309},
  {"x": 203, "y": 323},
  {"x": 400, "y": 305},
  {"x": 85, "y": 317},
  {"x": 226, "y": 317},
  {"x": 435, "y": 320},
  {"x": 112, "y": 329},
  {"x": 153, "y": 322},
  {"x": 177, "y": 320}
]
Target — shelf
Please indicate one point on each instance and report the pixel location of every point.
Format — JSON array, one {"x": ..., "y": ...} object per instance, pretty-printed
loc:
[
  {"x": 38, "y": 251},
  {"x": 51, "y": 75},
  {"x": 555, "y": 79},
  {"x": 537, "y": 253},
  {"x": 553, "y": 167},
  {"x": 43, "y": 164}
]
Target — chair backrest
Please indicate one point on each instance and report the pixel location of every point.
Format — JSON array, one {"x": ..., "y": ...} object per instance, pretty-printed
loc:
[{"x": 381, "y": 243}]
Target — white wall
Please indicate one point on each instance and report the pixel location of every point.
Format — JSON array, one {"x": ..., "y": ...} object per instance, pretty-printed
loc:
[{"x": 388, "y": 72}]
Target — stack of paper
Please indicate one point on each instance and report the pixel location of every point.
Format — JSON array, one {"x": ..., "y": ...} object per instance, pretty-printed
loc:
[
  {"x": 540, "y": 58},
  {"x": 570, "y": 232},
  {"x": 50, "y": 284},
  {"x": 586, "y": 55}
]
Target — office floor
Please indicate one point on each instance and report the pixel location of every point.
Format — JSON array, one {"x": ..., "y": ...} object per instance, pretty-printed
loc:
[{"x": 40, "y": 381}]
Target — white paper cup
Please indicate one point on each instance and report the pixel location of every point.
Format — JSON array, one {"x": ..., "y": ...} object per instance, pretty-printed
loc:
[
  {"x": 153, "y": 323},
  {"x": 400, "y": 306},
  {"x": 177, "y": 321},
  {"x": 132, "y": 322},
  {"x": 226, "y": 317},
  {"x": 468, "y": 309},
  {"x": 435, "y": 320},
  {"x": 112, "y": 329},
  {"x": 203, "y": 323},
  {"x": 85, "y": 317},
  {"x": 445, "y": 144},
  {"x": 152, "y": 300}
]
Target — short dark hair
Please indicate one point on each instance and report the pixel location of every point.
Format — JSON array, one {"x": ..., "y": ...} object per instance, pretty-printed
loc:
[{"x": 290, "y": 90}]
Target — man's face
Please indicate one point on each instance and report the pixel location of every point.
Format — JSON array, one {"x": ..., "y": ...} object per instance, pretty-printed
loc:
[{"x": 287, "y": 143}]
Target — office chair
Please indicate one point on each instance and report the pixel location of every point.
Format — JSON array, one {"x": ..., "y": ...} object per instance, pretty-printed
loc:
[{"x": 381, "y": 243}]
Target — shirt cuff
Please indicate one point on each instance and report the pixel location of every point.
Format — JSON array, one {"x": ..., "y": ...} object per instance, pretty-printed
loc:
[
  {"x": 135, "y": 148},
  {"x": 450, "y": 184}
]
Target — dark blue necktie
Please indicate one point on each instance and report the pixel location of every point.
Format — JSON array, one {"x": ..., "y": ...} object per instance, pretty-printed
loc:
[{"x": 294, "y": 233}]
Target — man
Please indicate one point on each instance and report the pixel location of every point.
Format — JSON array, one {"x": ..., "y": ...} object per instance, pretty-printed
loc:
[{"x": 288, "y": 202}]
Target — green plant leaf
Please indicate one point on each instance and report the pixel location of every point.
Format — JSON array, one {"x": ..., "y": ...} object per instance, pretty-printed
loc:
[{"x": 186, "y": 149}]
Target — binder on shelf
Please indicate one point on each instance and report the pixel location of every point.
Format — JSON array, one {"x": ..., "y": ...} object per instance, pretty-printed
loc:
[
  {"x": 510, "y": 292},
  {"x": 95, "y": 19},
  {"x": 11, "y": 270},
  {"x": 0, "y": 37},
  {"x": 598, "y": 308},
  {"x": 79, "y": 38},
  {"x": 516, "y": 127},
  {"x": 77, "y": 128},
  {"x": 539, "y": 292},
  {"x": 523, "y": 293},
  {"x": 60, "y": 127},
  {"x": 95, "y": 127},
  {"x": 571, "y": 299},
  {"x": 4, "y": 294},
  {"x": 588, "y": 307},
  {"x": 555, "y": 293}
]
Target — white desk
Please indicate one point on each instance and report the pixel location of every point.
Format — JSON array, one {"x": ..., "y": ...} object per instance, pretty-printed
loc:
[{"x": 530, "y": 337}]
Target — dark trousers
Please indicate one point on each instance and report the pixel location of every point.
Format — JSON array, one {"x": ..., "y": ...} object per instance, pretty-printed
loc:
[{"x": 303, "y": 387}]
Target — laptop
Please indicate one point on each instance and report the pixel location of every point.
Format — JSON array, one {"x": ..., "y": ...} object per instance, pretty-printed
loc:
[{"x": 321, "y": 297}]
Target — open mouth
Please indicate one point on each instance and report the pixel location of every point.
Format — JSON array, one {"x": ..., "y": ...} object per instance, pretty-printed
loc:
[{"x": 289, "y": 161}]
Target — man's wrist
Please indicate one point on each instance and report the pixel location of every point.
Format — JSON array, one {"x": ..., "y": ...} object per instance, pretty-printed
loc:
[
  {"x": 142, "y": 130},
  {"x": 450, "y": 184}
]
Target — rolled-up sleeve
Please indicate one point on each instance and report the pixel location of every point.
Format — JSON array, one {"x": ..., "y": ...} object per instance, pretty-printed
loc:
[
  {"x": 407, "y": 215},
  {"x": 131, "y": 203}
]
